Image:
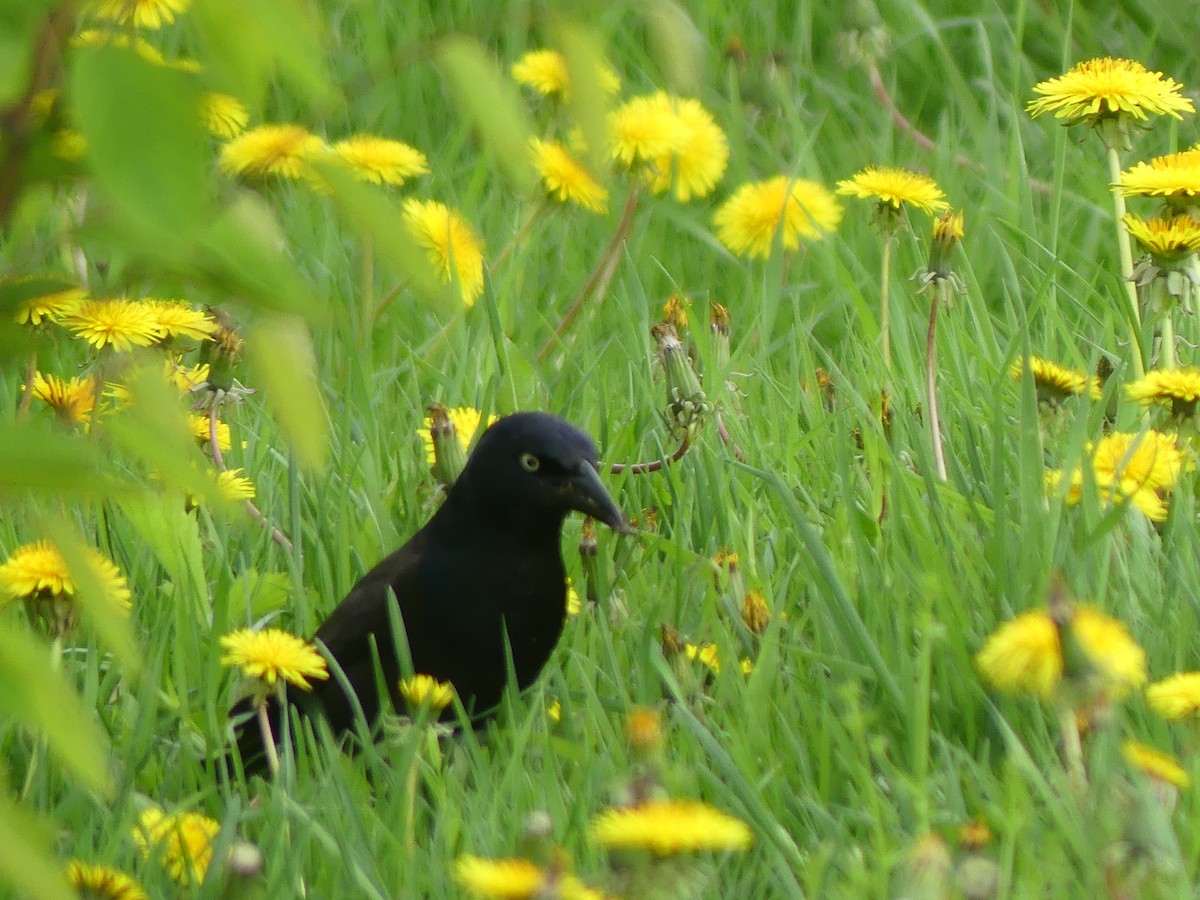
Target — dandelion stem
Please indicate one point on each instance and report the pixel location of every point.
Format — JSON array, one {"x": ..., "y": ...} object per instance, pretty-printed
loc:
[
  {"x": 1073, "y": 750},
  {"x": 1167, "y": 350},
  {"x": 1126, "y": 254},
  {"x": 368, "y": 287},
  {"x": 654, "y": 465},
  {"x": 931, "y": 398},
  {"x": 597, "y": 283},
  {"x": 264, "y": 725},
  {"x": 885, "y": 316}
]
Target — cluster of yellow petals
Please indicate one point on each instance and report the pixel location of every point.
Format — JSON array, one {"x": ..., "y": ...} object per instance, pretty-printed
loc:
[
  {"x": 466, "y": 421},
  {"x": 273, "y": 655},
  {"x": 39, "y": 570},
  {"x": 1105, "y": 86},
  {"x": 666, "y": 827},
  {"x": 452, "y": 247},
  {"x": 795, "y": 209},
  {"x": 181, "y": 842},
  {"x": 674, "y": 141}
]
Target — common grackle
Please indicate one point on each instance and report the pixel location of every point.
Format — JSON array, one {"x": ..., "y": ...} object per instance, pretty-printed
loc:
[{"x": 482, "y": 579}]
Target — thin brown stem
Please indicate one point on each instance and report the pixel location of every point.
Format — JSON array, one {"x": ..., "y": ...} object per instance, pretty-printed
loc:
[
  {"x": 738, "y": 453},
  {"x": 597, "y": 283},
  {"x": 654, "y": 465}
]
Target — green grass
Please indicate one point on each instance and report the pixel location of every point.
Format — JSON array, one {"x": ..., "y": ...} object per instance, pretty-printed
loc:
[{"x": 864, "y": 724}]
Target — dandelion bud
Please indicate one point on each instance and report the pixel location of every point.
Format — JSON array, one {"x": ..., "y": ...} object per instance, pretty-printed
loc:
[
  {"x": 947, "y": 232},
  {"x": 675, "y": 312},
  {"x": 687, "y": 404},
  {"x": 974, "y": 835},
  {"x": 720, "y": 332},
  {"x": 672, "y": 643},
  {"x": 449, "y": 457}
]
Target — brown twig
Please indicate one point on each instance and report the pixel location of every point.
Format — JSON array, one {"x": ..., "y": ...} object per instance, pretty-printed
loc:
[
  {"x": 598, "y": 282},
  {"x": 924, "y": 141},
  {"x": 654, "y": 465},
  {"x": 738, "y": 453},
  {"x": 219, "y": 461}
]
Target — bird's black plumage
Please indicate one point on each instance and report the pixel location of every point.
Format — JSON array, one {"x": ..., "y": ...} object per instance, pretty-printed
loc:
[{"x": 483, "y": 576}]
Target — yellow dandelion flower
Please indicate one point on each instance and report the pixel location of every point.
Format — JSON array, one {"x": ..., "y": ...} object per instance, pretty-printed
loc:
[
  {"x": 176, "y": 318},
  {"x": 1054, "y": 383},
  {"x": 565, "y": 178},
  {"x": 1176, "y": 697},
  {"x": 518, "y": 879},
  {"x": 1175, "y": 177},
  {"x": 706, "y": 654},
  {"x": 49, "y": 307},
  {"x": 73, "y": 400},
  {"x": 644, "y": 129},
  {"x": 181, "y": 842},
  {"x": 1166, "y": 240},
  {"x": 698, "y": 155},
  {"x": 453, "y": 248},
  {"x": 1110, "y": 492},
  {"x": 1155, "y": 764},
  {"x": 665, "y": 827},
  {"x": 148, "y": 14},
  {"x": 675, "y": 311},
  {"x": 103, "y": 882},
  {"x": 1148, "y": 459},
  {"x": 380, "y": 160},
  {"x": 224, "y": 115},
  {"x": 232, "y": 486},
  {"x": 425, "y": 690},
  {"x": 1024, "y": 655},
  {"x": 283, "y": 151},
  {"x": 1178, "y": 388},
  {"x": 202, "y": 431},
  {"x": 546, "y": 72},
  {"x": 186, "y": 378},
  {"x": 273, "y": 655},
  {"x": 120, "y": 324},
  {"x": 1109, "y": 88},
  {"x": 792, "y": 208},
  {"x": 896, "y": 188},
  {"x": 466, "y": 422},
  {"x": 38, "y": 571},
  {"x": 950, "y": 226}
]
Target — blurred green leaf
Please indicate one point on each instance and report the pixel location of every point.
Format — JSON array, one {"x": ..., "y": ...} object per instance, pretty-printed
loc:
[
  {"x": 678, "y": 45},
  {"x": 279, "y": 353},
  {"x": 173, "y": 536},
  {"x": 147, "y": 149},
  {"x": 19, "y": 22},
  {"x": 259, "y": 592},
  {"x": 493, "y": 104},
  {"x": 589, "y": 102},
  {"x": 36, "y": 458},
  {"x": 34, "y": 693},
  {"x": 26, "y": 859},
  {"x": 246, "y": 45}
]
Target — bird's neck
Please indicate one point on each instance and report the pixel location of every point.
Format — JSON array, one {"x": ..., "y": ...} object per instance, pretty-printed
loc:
[{"x": 503, "y": 522}]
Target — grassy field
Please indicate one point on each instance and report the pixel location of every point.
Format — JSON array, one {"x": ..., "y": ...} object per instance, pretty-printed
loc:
[{"x": 863, "y": 726}]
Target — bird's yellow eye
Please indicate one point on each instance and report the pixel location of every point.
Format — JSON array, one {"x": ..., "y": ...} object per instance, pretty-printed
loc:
[{"x": 530, "y": 463}]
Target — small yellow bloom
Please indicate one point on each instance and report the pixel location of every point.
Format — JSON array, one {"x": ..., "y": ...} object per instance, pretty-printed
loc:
[
  {"x": 793, "y": 208},
  {"x": 73, "y": 400},
  {"x": 92, "y": 880},
  {"x": 202, "y": 431},
  {"x": 1178, "y": 388},
  {"x": 272, "y": 655},
  {"x": 1175, "y": 177},
  {"x": 454, "y": 250},
  {"x": 643, "y": 130},
  {"x": 1110, "y": 491},
  {"x": 1166, "y": 240},
  {"x": 1109, "y": 88},
  {"x": 895, "y": 188},
  {"x": 284, "y": 151},
  {"x": 181, "y": 842},
  {"x": 50, "y": 307},
  {"x": 148, "y": 14},
  {"x": 707, "y": 655},
  {"x": 574, "y": 605},
  {"x": 1155, "y": 764},
  {"x": 232, "y": 487},
  {"x": 518, "y": 879},
  {"x": 103, "y": 37},
  {"x": 554, "y": 711},
  {"x": 466, "y": 422},
  {"x": 546, "y": 72},
  {"x": 177, "y": 318},
  {"x": 665, "y": 827},
  {"x": 380, "y": 160},
  {"x": 1176, "y": 697},
  {"x": 1147, "y": 459},
  {"x": 38, "y": 571},
  {"x": 1054, "y": 383},
  {"x": 565, "y": 178},
  {"x": 674, "y": 139},
  {"x": 425, "y": 690},
  {"x": 120, "y": 324},
  {"x": 223, "y": 115}
]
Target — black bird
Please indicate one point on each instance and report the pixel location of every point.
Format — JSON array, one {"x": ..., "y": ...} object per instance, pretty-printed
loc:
[{"x": 484, "y": 577}]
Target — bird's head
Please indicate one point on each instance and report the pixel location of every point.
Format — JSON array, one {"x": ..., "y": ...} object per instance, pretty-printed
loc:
[{"x": 536, "y": 464}]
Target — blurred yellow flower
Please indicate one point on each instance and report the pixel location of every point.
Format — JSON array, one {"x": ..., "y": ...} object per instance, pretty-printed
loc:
[
  {"x": 643, "y": 129},
  {"x": 50, "y": 307},
  {"x": 1109, "y": 88},
  {"x": 896, "y": 188},
  {"x": 120, "y": 324},
  {"x": 273, "y": 655},
  {"x": 224, "y": 115},
  {"x": 284, "y": 151},
  {"x": 104, "y": 37},
  {"x": 676, "y": 141},
  {"x": 1178, "y": 388},
  {"x": 452, "y": 247},
  {"x": 425, "y": 690},
  {"x": 1147, "y": 459},
  {"x": 707, "y": 655},
  {"x": 148, "y": 14},
  {"x": 233, "y": 486},
  {"x": 665, "y": 827},
  {"x": 1176, "y": 697},
  {"x": 466, "y": 421},
  {"x": 1054, "y": 383},
  {"x": 546, "y": 72},
  {"x": 176, "y": 318},
  {"x": 518, "y": 879},
  {"x": 92, "y": 880},
  {"x": 73, "y": 400},
  {"x": 1155, "y": 764},
  {"x": 793, "y": 208},
  {"x": 565, "y": 178},
  {"x": 38, "y": 571},
  {"x": 380, "y": 160},
  {"x": 202, "y": 431},
  {"x": 181, "y": 842}
]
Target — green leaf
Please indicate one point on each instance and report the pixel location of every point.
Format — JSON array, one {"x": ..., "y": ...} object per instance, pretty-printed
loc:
[
  {"x": 27, "y": 862},
  {"x": 279, "y": 353},
  {"x": 173, "y": 536},
  {"x": 35, "y": 458},
  {"x": 260, "y": 592},
  {"x": 34, "y": 693},
  {"x": 589, "y": 102},
  {"x": 145, "y": 141},
  {"x": 493, "y": 104}
]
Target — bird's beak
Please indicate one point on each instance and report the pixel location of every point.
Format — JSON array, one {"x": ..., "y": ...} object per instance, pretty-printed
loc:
[{"x": 589, "y": 496}]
